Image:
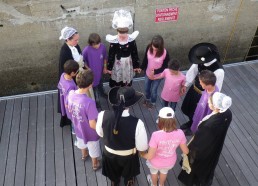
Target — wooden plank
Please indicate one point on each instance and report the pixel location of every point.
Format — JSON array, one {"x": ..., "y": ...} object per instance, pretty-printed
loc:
[
  {"x": 2, "y": 109},
  {"x": 79, "y": 167},
  {"x": 40, "y": 176},
  {"x": 5, "y": 138},
  {"x": 31, "y": 146},
  {"x": 22, "y": 144},
  {"x": 50, "y": 148},
  {"x": 59, "y": 145},
  {"x": 70, "y": 176},
  {"x": 13, "y": 143}
]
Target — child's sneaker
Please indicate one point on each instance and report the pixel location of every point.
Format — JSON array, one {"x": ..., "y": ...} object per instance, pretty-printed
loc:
[
  {"x": 149, "y": 179},
  {"x": 145, "y": 102}
]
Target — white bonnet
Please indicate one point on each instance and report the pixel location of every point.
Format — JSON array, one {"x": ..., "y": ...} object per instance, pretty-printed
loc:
[
  {"x": 122, "y": 19},
  {"x": 221, "y": 101},
  {"x": 67, "y": 32},
  {"x": 166, "y": 112}
]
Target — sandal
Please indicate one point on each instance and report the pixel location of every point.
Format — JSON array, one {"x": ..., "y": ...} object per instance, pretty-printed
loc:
[
  {"x": 96, "y": 166},
  {"x": 85, "y": 157}
]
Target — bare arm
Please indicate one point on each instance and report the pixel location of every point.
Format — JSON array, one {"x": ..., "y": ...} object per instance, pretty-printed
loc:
[
  {"x": 150, "y": 154},
  {"x": 184, "y": 148},
  {"x": 93, "y": 124}
]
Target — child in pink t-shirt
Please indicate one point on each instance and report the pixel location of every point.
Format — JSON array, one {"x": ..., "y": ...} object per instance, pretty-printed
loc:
[
  {"x": 161, "y": 156},
  {"x": 174, "y": 81}
]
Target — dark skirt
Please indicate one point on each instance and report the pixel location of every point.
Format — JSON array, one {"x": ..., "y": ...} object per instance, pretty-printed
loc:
[
  {"x": 190, "y": 102},
  {"x": 114, "y": 166}
]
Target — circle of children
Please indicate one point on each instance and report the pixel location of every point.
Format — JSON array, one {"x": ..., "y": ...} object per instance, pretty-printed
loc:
[{"x": 124, "y": 136}]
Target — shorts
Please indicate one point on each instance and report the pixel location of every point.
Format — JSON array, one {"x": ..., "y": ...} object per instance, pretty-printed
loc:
[
  {"x": 154, "y": 170},
  {"x": 93, "y": 147}
]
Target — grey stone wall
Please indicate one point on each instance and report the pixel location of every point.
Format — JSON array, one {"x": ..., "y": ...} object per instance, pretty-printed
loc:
[{"x": 30, "y": 30}]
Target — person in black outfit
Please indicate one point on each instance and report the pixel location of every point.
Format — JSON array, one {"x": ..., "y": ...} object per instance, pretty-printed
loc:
[
  {"x": 123, "y": 136},
  {"x": 206, "y": 145},
  {"x": 203, "y": 56}
]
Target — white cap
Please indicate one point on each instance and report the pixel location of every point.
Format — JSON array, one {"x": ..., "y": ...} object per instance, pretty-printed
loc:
[
  {"x": 166, "y": 112},
  {"x": 221, "y": 101},
  {"x": 67, "y": 32},
  {"x": 122, "y": 19}
]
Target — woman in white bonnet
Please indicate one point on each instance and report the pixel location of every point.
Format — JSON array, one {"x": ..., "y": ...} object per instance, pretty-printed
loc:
[
  {"x": 70, "y": 48},
  {"x": 207, "y": 143},
  {"x": 123, "y": 60}
]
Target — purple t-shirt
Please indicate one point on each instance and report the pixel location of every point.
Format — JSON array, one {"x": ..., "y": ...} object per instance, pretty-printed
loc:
[
  {"x": 64, "y": 87},
  {"x": 82, "y": 109},
  {"x": 202, "y": 109},
  {"x": 166, "y": 144},
  {"x": 94, "y": 58}
]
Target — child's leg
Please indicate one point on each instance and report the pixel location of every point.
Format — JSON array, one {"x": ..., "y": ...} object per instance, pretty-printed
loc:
[
  {"x": 154, "y": 178},
  {"x": 164, "y": 103},
  {"x": 95, "y": 152},
  {"x": 84, "y": 153},
  {"x": 173, "y": 105},
  {"x": 162, "y": 179}
]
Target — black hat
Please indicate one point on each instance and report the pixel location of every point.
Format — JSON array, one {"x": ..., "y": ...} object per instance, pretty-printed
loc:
[
  {"x": 126, "y": 94},
  {"x": 203, "y": 53}
]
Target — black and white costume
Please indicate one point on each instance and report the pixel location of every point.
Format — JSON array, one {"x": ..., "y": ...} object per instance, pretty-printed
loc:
[{"x": 204, "y": 56}]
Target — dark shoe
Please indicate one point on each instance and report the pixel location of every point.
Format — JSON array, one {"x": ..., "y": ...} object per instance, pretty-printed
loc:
[
  {"x": 129, "y": 182},
  {"x": 188, "y": 132},
  {"x": 186, "y": 125}
]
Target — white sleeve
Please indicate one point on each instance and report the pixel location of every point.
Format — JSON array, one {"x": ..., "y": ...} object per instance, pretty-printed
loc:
[
  {"x": 99, "y": 128},
  {"x": 191, "y": 74},
  {"x": 141, "y": 140},
  {"x": 220, "y": 77}
]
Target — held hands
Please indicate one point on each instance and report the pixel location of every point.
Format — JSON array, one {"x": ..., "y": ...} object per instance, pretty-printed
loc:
[
  {"x": 185, "y": 164},
  {"x": 137, "y": 70},
  {"x": 152, "y": 75},
  {"x": 183, "y": 90}
]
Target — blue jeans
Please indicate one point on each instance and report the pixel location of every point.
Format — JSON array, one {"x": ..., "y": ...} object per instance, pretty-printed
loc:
[
  {"x": 166, "y": 103},
  {"x": 151, "y": 89}
]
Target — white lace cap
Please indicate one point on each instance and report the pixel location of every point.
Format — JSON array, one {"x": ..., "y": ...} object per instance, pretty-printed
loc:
[
  {"x": 122, "y": 19},
  {"x": 221, "y": 101},
  {"x": 67, "y": 32}
]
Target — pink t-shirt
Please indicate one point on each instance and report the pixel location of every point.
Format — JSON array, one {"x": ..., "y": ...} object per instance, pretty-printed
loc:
[
  {"x": 172, "y": 85},
  {"x": 154, "y": 62},
  {"x": 166, "y": 144}
]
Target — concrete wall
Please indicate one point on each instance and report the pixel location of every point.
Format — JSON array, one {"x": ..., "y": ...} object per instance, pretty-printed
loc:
[{"x": 30, "y": 30}]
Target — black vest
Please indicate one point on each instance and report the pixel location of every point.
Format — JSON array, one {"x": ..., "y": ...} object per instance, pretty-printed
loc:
[
  {"x": 125, "y": 139},
  {"x": 213, "y": 67}
]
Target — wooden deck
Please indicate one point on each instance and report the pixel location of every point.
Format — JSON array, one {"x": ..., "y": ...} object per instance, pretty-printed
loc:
[{"x": 34, "y": 150}]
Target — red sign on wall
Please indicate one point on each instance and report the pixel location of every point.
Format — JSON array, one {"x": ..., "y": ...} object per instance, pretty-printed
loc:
[{"x": 166, "y": 14}]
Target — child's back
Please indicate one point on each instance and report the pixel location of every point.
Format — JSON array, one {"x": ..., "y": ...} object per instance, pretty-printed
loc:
[
  {"x": 166, "y": 144},
  {"x": 65, "y": 85},
  {"x": 172, "y": 85}
]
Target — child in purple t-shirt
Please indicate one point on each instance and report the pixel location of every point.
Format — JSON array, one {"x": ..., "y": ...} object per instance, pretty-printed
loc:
[
  {"x": 66, "y": 83},
  {"x": 161, "y": 156},
  {"x": 95, "y": 57},
  {"x": 83, "y": 115},
  {"x": 174, "y": 81}
]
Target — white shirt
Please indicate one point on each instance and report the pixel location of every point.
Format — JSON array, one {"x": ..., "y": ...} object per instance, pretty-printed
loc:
[
  {"x": 141, "y": 141},
  {"x": 193, "y": 71}
]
